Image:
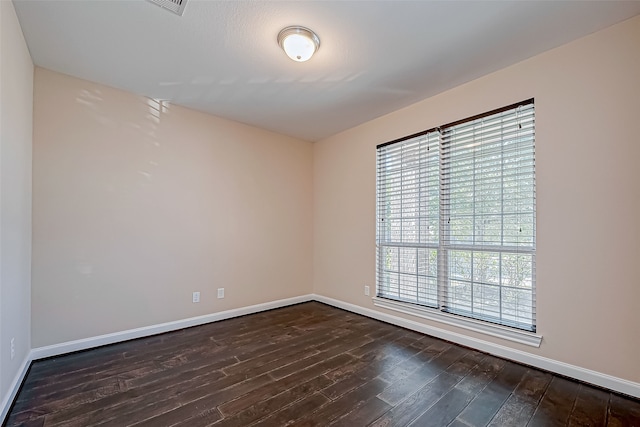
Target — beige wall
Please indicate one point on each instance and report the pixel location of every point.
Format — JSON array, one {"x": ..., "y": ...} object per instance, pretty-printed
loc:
[
  {"x": 587, "y": 96},
  {"x": 16, "y": 112},
  {"x": 135, "y": 208}
]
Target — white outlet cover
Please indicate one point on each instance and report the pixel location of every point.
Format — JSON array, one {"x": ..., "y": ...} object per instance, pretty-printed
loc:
[
  {"x": 220, "y": 292},
  {"x": 196, "y": 297},
  {"x": 366, "y": 290}
]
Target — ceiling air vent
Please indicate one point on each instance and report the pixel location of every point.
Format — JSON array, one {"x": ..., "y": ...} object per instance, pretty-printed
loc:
[{"x": 175, "y": 6}]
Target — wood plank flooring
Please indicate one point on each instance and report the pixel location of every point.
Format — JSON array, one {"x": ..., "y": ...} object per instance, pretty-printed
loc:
[{"x": 304, "y": 365}]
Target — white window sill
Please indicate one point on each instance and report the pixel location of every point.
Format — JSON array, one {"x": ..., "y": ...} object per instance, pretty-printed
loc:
[{"x": 504, "y": 332}]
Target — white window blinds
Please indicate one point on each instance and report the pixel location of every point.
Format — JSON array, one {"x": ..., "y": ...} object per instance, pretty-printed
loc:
[
  {"x": 456, "y": 218},
  {"x": 409, "y": 218}
]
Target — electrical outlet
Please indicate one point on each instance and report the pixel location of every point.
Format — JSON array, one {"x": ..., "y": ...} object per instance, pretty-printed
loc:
[
  {"x": 220, "y": 292},
  {"x": 366, "y": 290},
  {"x": 13, "y": 348},
  {"x": 196, "y": 297}
]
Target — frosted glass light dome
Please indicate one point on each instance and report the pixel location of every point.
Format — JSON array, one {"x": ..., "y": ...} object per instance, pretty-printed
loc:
[{"x": 299, "y": 43}]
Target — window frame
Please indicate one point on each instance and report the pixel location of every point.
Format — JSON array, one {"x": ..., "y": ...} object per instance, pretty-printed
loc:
[{"x": 441, "y": 311}]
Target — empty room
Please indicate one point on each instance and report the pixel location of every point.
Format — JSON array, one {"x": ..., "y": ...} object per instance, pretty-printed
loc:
[{"x": 313, "y": 213}]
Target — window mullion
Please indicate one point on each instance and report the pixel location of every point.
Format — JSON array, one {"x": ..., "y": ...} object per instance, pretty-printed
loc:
[
  {"x": 443, "y": 256},
  {"x": 500, "y": 308}
]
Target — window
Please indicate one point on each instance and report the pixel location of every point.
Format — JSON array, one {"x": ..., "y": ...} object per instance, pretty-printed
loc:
[{"x": 456, "y": 210}]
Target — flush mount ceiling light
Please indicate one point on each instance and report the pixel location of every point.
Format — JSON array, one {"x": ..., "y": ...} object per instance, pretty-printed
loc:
[{"x": 299, "y": 43}]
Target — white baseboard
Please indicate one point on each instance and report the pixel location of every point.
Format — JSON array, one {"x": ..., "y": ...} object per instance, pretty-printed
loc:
[
  {"x": 86, "y": 343},
  {"x": 592, "y": 377},
  {"x": 7, "y": 400}
]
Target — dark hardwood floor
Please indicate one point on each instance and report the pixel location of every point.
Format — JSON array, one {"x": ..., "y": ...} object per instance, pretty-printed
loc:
[{"x": 304, "y": 365}]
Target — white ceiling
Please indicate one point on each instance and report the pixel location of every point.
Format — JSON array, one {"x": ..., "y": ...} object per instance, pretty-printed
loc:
[{"x": 222, "y": 57}]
